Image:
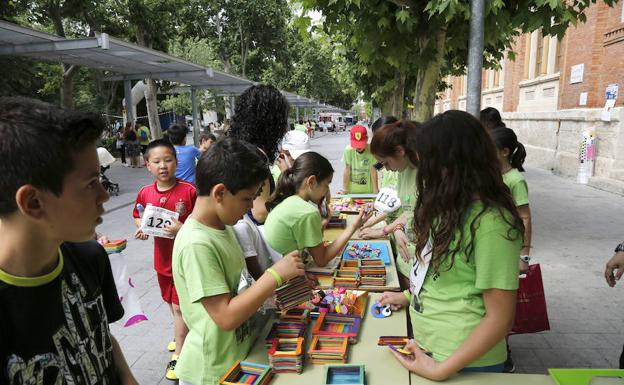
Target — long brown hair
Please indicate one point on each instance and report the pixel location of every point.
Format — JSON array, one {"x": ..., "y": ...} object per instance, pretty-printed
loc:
[
  {"x": 387, "y": 138},
  {"x": 457, "y": 164}
]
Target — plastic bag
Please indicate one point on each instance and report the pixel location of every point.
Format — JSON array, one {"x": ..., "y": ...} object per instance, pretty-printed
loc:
[{"x": 531, "y": 312}]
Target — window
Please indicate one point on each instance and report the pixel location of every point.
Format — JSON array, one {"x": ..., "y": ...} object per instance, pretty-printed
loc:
[{"x": 542, "y": 55}]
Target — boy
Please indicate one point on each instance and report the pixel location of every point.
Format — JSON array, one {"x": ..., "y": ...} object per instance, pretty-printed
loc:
[
  {"x": 217, "y": 298},
  {"x": 174, "y": 195},
  {"x": 187, "y": 155},
  {"x": 57, "y": 292},
  {"x": 205, "y": 141},
  {"x": 360, "y": 177},
  {"x": 144, "y": 136}
]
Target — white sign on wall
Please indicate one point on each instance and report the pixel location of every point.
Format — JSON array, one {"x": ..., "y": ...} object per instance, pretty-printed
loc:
[
  {"x": 583, "y": 99},
  {"x": 576, "y": 73}
]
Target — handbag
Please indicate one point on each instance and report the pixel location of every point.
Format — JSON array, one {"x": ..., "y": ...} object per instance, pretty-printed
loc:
[{"x": 531, "y": 312}]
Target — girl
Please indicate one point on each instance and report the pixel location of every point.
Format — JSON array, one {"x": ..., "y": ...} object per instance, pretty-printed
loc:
[
  {"x": 511, "y": 155},
  {"x": 468, "y": 236},
  {"x": 294, "y": 220},
  {"x": 389, "y": 146}
]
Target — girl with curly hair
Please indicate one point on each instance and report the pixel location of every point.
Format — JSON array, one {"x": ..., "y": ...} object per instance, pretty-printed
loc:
[{"x": 468, "y": 236}]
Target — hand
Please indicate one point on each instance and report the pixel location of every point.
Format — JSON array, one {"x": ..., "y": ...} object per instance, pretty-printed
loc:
[
  {"x": 290, "y": 266},
  {"x": 103, "y": 239},
  {"x": 284, "y": 160},
  {"x": 396, "y": 300},
  {"x": 615, "y": 263},
  {"x": 174, "y": 227},
  {"x": 524, "y": 267},
  {"x": 368, "y": 233},
  {"x": 365, "y": 213},
  {"x": 138, "y": 234},
  {"x": 420, "y": 363},
  {"x": 401, "y": 242}
]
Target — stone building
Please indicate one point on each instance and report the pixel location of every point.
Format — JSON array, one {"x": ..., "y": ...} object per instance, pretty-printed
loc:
[{"x": 554, "y": 90}]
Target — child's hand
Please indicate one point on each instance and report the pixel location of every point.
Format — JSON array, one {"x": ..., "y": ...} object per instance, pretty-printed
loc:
[
  {"x": 365, "y": 213},
  {"x": 401, "y": 242},
  {"x": 368, "y": 233},
  {"x": 174, "y": 227},
  {"x": 420, "y": 363},
  {"x": 290, "y": 266},
  {"x": 396, "y": 300},
  {"x": 138, "y": 234},
  {"x": 102, "y": 239},
  {"x": 524, "y": 267}
]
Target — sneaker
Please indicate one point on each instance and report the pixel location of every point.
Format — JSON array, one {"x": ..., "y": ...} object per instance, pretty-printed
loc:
[
  {"x": 171, "y": 346},
  {"x": 170, "y": 374},
  {"x": 509, "y": 366},
  {"x": 125, "y": 164}
]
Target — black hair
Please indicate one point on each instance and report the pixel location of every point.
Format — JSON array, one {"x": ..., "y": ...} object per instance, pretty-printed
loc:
[
  {"x": 504, "y": 137},
  {"x": 235, "y": 163},
  {"x": 386, "y": 119},
  {"x": 306, "y": 164},
  {"x": 177, "y": 134},
  {"x": 491, "y": 118},
  {"x": 38, "y": 145},
  {"x": 261, "y": 118},
  {"x": 159, "y": 143},
  {"x": 204, "y": 137}
]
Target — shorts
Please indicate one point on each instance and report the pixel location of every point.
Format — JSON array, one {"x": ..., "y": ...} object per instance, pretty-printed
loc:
[{"x": 167, "y": 289}]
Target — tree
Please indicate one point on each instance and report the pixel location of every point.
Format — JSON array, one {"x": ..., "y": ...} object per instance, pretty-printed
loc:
[{"x": 394, "y": 40}]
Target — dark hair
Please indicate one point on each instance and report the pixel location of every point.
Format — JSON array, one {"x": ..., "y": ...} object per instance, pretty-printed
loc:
[
  {"x": 388, "y": 137},
  {"x": 177, "y": 134},
  {"x": 504, "y": 137},
  {"x": 261, "y": 118},
  {"x": 457, "y": 164},
  {"x": 491, "y": 118},
  {"x": 159, "y": 143},
  {"x": 205, "y": 137},
  {"x": 235, "y": 163},
  {"x": 386, "y": 119},
  {"x": 38, "y": 145},
  {"x": 306, "y": 164},
  {"x": 128, "y": 132}
]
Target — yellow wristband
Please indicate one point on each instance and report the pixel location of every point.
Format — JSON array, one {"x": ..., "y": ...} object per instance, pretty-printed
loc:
[
  {"x": 407, "y": 295},
  {"x": 275, "y": 275}
]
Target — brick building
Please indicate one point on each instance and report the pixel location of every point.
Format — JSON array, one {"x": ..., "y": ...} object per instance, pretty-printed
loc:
[{"x": 556, "y": 89}]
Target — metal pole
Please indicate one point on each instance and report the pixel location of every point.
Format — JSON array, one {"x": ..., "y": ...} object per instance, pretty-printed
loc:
[
  {"x": 195, "y": 120},
  {"x": 297, "y": 115},
  {"x": 128, "y": 99},
  {"x": 475, "y": 57}
]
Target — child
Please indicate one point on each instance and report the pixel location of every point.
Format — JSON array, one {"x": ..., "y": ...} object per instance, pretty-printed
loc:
[
  {"x": 174, "y": 195},
  {"x": 360, "y": 177},
  {"x": 294, "y": 220},
  {"x": 205, "y": 141},
  {"x": 468, "y": 236},
  {"x": 57, "y": 292},
  {"x": 216, "y": 296},
  {"x": 186, "y": 155},
  {"x": 143, "y": 135}
]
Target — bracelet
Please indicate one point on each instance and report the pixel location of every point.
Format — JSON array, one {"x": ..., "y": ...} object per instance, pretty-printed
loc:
[
  {"x": 407, "y": 295},
  {"x": 275, "y": 275},
  {"x": 384, "y": 231},
  {"x": 399, "y": 227}
]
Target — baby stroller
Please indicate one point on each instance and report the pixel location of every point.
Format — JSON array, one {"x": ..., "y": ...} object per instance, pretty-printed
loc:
[{"x": 106, "y": 159}]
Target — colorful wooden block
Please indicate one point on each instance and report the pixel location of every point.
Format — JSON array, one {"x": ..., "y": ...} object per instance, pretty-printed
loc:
[
  {"x": 337, "y": 325},
  {"x": 244, "y": 372},
  {"x": 344, "y": 375},
  {"x": 286, "y": 355},
  {"x": 325, "y": 350}
]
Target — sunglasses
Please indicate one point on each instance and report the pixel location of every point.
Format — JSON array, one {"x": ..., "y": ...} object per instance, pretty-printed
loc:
[{"x": 379, "y": 165}]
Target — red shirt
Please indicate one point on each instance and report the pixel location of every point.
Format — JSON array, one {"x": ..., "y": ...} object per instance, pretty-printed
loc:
[{"x": 181, "y": 199}]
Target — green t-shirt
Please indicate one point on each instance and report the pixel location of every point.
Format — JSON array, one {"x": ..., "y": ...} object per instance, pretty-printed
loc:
[
  {"x": 293, "y": 225},
  {"x": 389, "y": 179},
  {"x": 406, "y": 189},
  {"x": 143, "y": 135},
  {"x": 361, "y": 166},
  {"x": 301, "y": 127},
  {"x": 518, "y": 186},
  {"x": 275, "y": 172},
  {"x": 208, "y": 262},
  {"x": 451, "y": 302}
]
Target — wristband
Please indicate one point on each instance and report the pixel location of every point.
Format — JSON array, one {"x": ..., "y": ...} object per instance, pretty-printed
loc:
[
  {"x": 384, "y": 231},
  {"x": 407, "y": 295},
  {"x": 525, "y": 258},
  {"x": 399, "y": 227},
  {"x": 275, "y": 275}
]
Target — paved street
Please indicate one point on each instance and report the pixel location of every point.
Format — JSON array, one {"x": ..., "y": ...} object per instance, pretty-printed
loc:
[{"x": 575, "y": 229}]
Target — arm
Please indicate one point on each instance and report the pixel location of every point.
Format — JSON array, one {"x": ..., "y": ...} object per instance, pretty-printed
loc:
[
  {"x": 498, "y": 320},
  {"x": 121, "y": 366},
  {"x": 375, "y": 181},
  {"x": 615, "y": 263},
  {"x": 346, "y": 177},
  {"x": 138, "y": 234},
  {"x": 230, "y": 312},
  {"x": 525, "y": 214}
]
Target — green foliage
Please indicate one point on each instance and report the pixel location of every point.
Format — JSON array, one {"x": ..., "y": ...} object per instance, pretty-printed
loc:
[{"x": 180, "y": 104}]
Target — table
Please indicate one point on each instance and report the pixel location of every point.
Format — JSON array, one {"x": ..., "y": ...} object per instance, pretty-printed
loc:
[{"x": 487, "y": 379}]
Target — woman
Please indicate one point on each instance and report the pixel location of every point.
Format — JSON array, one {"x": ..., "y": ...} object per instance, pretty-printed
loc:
[
  {"x": 468, "y": 236},
  {"x": 133, "y": 149}
]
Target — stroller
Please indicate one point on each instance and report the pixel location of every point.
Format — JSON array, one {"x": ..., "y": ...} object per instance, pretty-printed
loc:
[{"x": 106, "y": 159}]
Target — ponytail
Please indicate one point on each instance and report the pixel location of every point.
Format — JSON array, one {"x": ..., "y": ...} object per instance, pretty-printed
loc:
[
  {"x": 517, "y": 158},
  {"x": 504, "y": 137},
  {"x": 289, "y": 182}
]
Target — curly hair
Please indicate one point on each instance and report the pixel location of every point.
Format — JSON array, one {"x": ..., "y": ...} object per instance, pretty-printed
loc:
[
  {"x": 457, "y": 164},
  {"x": 261, "y": 118}
]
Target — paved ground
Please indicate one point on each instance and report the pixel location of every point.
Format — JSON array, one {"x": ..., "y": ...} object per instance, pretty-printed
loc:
[{"x": 575, "y": 229}]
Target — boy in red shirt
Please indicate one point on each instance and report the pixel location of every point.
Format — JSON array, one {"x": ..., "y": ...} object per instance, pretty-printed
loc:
[{"x": 174, "y": 195}]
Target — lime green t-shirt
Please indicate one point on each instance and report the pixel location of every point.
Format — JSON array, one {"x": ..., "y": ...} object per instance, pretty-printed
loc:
[
  {"x": 275, "y": 172},
  {"x": 518, "y": 186},
  {"x": 389, "y": 179},
  {"x": 451, "y": 302},
  {"x": 301, "y": 127},
  {"x": 293, "y": 225},
  {"x": 208, "y": 262},
  {"x": 361, "y": 167},
  {"x": 406, "y": 189}
]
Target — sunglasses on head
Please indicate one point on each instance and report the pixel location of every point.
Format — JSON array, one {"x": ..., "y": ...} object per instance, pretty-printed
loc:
[{"x": 379, "y": 165}]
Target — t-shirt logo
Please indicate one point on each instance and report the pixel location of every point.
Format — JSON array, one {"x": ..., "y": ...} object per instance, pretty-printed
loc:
[
  {"x": 358, "y": 136},
  {"x": 180, "y": 208}
]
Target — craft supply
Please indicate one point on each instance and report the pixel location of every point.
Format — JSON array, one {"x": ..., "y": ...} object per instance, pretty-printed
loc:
[
  {"x": 244, "y": 372},
  {"x": 338, "y": 300},
  {"x": 392, "y": 340},
  {"x": 337, "y": 325},
  {"x": 347, "y": 278},
  {"x": 400, "y": 350},
  {"x": 326, "y": 350},
  {"x": 336, "y": 222},
  {"x": 358, "y": 249},
  {"x": 372, "y": 272},
  {"x": 380, "y": 311},
  {"x": 286, "y": 355},
  {"x": 115, "y": 246},
  {"x": 295, "y": 315},
  {"x": 284, "y": 330},
  {"x": 293, "y": 293},
  {"x": 344, "y": 375}
]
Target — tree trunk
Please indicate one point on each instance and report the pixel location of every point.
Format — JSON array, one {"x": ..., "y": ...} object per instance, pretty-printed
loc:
[
  {"x": 427, "y": 83},
  {"x": 67, "y": 86},
  {"x": 394, "y": 101},
  {"x": 152, "y": 109}
]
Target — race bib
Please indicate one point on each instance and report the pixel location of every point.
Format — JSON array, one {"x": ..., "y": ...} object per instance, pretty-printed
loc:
[
  {"x": 155, "y": 219},
  {"x": 418, "y": 274},
  {"x": 387, "y": 201}
]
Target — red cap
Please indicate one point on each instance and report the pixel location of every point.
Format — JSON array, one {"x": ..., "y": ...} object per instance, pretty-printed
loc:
[{"x": 359, "y": 137}]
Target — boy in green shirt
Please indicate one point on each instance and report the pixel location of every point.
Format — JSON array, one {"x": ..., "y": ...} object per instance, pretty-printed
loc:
[
  {"x": 360, "y": 177},
  {"x": 217, "y": 297}
]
